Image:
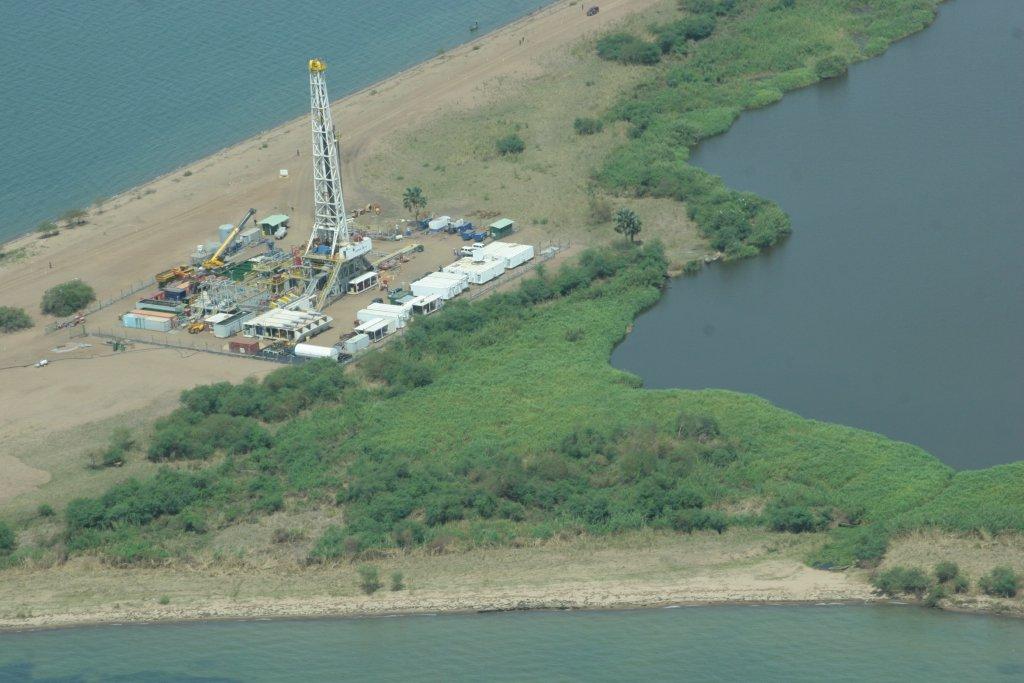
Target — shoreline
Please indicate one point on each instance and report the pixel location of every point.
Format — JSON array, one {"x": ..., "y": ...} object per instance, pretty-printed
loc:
[
  {"x": 310, "y": 612},
  {"x": 430, "y": 612}
]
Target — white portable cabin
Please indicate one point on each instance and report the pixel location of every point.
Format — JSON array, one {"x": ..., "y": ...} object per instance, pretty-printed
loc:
[
  {"x": 315, "y": 351},
  {"x": 512, "y": 255},
  {"x": 478, "y": 272},
  {"x": 363, "y": 282},
  {"x": 425, "y": 305},
  {"x": 355, "y": 343},
  {"x": 396, "y": 319},
  {"x": 444, "y": 285},
  {"x": 375, "y": 329},
  {"x": 402, "y": 310},
  {"x": 286, "y": 325}
]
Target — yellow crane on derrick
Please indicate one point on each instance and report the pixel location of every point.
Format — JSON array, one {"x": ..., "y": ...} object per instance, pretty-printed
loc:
[{"x": 215, "y": 260}]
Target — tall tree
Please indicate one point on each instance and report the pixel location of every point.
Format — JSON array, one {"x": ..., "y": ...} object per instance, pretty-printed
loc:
[
  {"x": 627, "y": 223},
  {"x": 414, "y": 201}
]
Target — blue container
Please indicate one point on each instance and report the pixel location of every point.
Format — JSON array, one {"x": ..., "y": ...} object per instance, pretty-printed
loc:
[{"x": 323, "y": 249}]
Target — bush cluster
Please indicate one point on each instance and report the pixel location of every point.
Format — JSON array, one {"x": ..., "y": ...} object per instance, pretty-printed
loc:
[
  {"x": 673, "y": 37},
  {"x": 899, "y": 580},
  {"x": 587, "y": 126},
  {"x": 511, "y": 144},
  {"x": 14, "y": 319},
  {"x": 1001, "y": 582},
  {"x": 627, "y": 49},
  {"x": 67, "y": 298}
]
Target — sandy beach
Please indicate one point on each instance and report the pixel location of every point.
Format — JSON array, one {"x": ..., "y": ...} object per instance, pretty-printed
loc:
[{"x": 154, "y": 226}]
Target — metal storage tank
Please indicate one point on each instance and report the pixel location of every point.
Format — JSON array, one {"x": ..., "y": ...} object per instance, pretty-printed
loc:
[{"x": 316, "y": 351}]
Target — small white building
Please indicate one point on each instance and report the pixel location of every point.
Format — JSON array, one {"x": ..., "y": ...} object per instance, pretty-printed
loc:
[
  {"x": 478, "y": 272},
  {"x": 444, "y": 285},
  {"x": 395, "y": 320},
  {"x": 355, "y": 343},
  {"x": 226, "y": 324},
  {"x": 510, "y": 254},
  {"x": 363, "y": 282},
  {"x": 286, "y": 325},
  {"x": 425, "y": 305},
  {"x": 375, "y": 329}
]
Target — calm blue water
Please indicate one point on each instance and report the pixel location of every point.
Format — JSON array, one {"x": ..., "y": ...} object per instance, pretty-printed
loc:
[
  {"x": 98, "y": 96},
  {"x": 693, "y": 643},
  {"x": 896, "y": 305}
]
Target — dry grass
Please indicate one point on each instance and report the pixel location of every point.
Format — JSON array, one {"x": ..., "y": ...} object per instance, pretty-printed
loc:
[
  {"x": 547, "y": 188},
  {"x": 975, "y": 554},
  {"x": 642, "y": 568},
  {"x": 65, "y": 455}
]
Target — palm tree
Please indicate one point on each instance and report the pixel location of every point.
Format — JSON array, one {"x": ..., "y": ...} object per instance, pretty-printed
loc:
[
  {"x": 414, "y": 201},
  {"x": 627, "y": 223}
]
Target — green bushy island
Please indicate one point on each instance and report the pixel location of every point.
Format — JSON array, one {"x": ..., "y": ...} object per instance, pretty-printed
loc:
[{"x": 502, "y": 422}]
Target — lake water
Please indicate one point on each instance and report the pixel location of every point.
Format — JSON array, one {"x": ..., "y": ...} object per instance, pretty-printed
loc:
[
  {"x": 690, "y": 643},
  {"x": 898, "y": 303},
  {"x": 99, "y": 96}
]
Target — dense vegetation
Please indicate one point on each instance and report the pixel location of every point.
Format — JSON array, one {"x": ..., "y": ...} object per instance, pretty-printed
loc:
[
  {"x": 500, "y": 421},
  {"x": 717, "y": 59},
  {"x": 622, "y": 47},
  {"x": 14, "y": 319},
  {"x": 67, "y": 298}
]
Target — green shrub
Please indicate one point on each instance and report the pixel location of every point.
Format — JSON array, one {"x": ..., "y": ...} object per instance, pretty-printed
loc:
[
  {"x": 627, "y": 49},
  {"x": 862, "y": 546},
  {"x": 164, "y": 600},
  {"x": 795, "y": 518},
  {"x": 960, "y": 584},
  {"x": 511, "y": 144},
  {"x": 830, "y": 66},
  {"x": 397, "y": 581},
  {"x": 1001, "y": 582},
  {"x": 8, "y": 539},
  {"x": 369, "y": 579},
  {"x": 587, "y": 126},
  {"x": 14, "y": 319},
  {"x": 899, "y": 580},
  {"x": 935, "y": 594},
  {"x": 946, "y": 571},
  {"x": 672, "y": 37},
  {"x": 45, "y": 510},
  {"x": 331, "y": 545},
  {"x": 696, "y": 520},
  {"x": 719, "y": 7},
  {"x": 67, "y": 298}
]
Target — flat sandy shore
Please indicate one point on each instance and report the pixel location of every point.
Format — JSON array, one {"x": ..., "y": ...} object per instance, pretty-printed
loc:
[
  {"x": 635, "y": 570},
  {"x": 152, "y": 227}
]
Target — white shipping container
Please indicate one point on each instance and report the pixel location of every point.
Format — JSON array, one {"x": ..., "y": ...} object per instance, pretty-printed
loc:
[
  {"x": 356, "y": 343},
  {"x": 316, "y": 351},
  {"x": 365, "y": 315},
  {"x": 478, "y": 272},
  {"x": 403, "y": 310}
]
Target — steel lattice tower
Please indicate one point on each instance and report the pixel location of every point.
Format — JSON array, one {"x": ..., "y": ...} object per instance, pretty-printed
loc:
[{"x": 330, "y": 222}]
